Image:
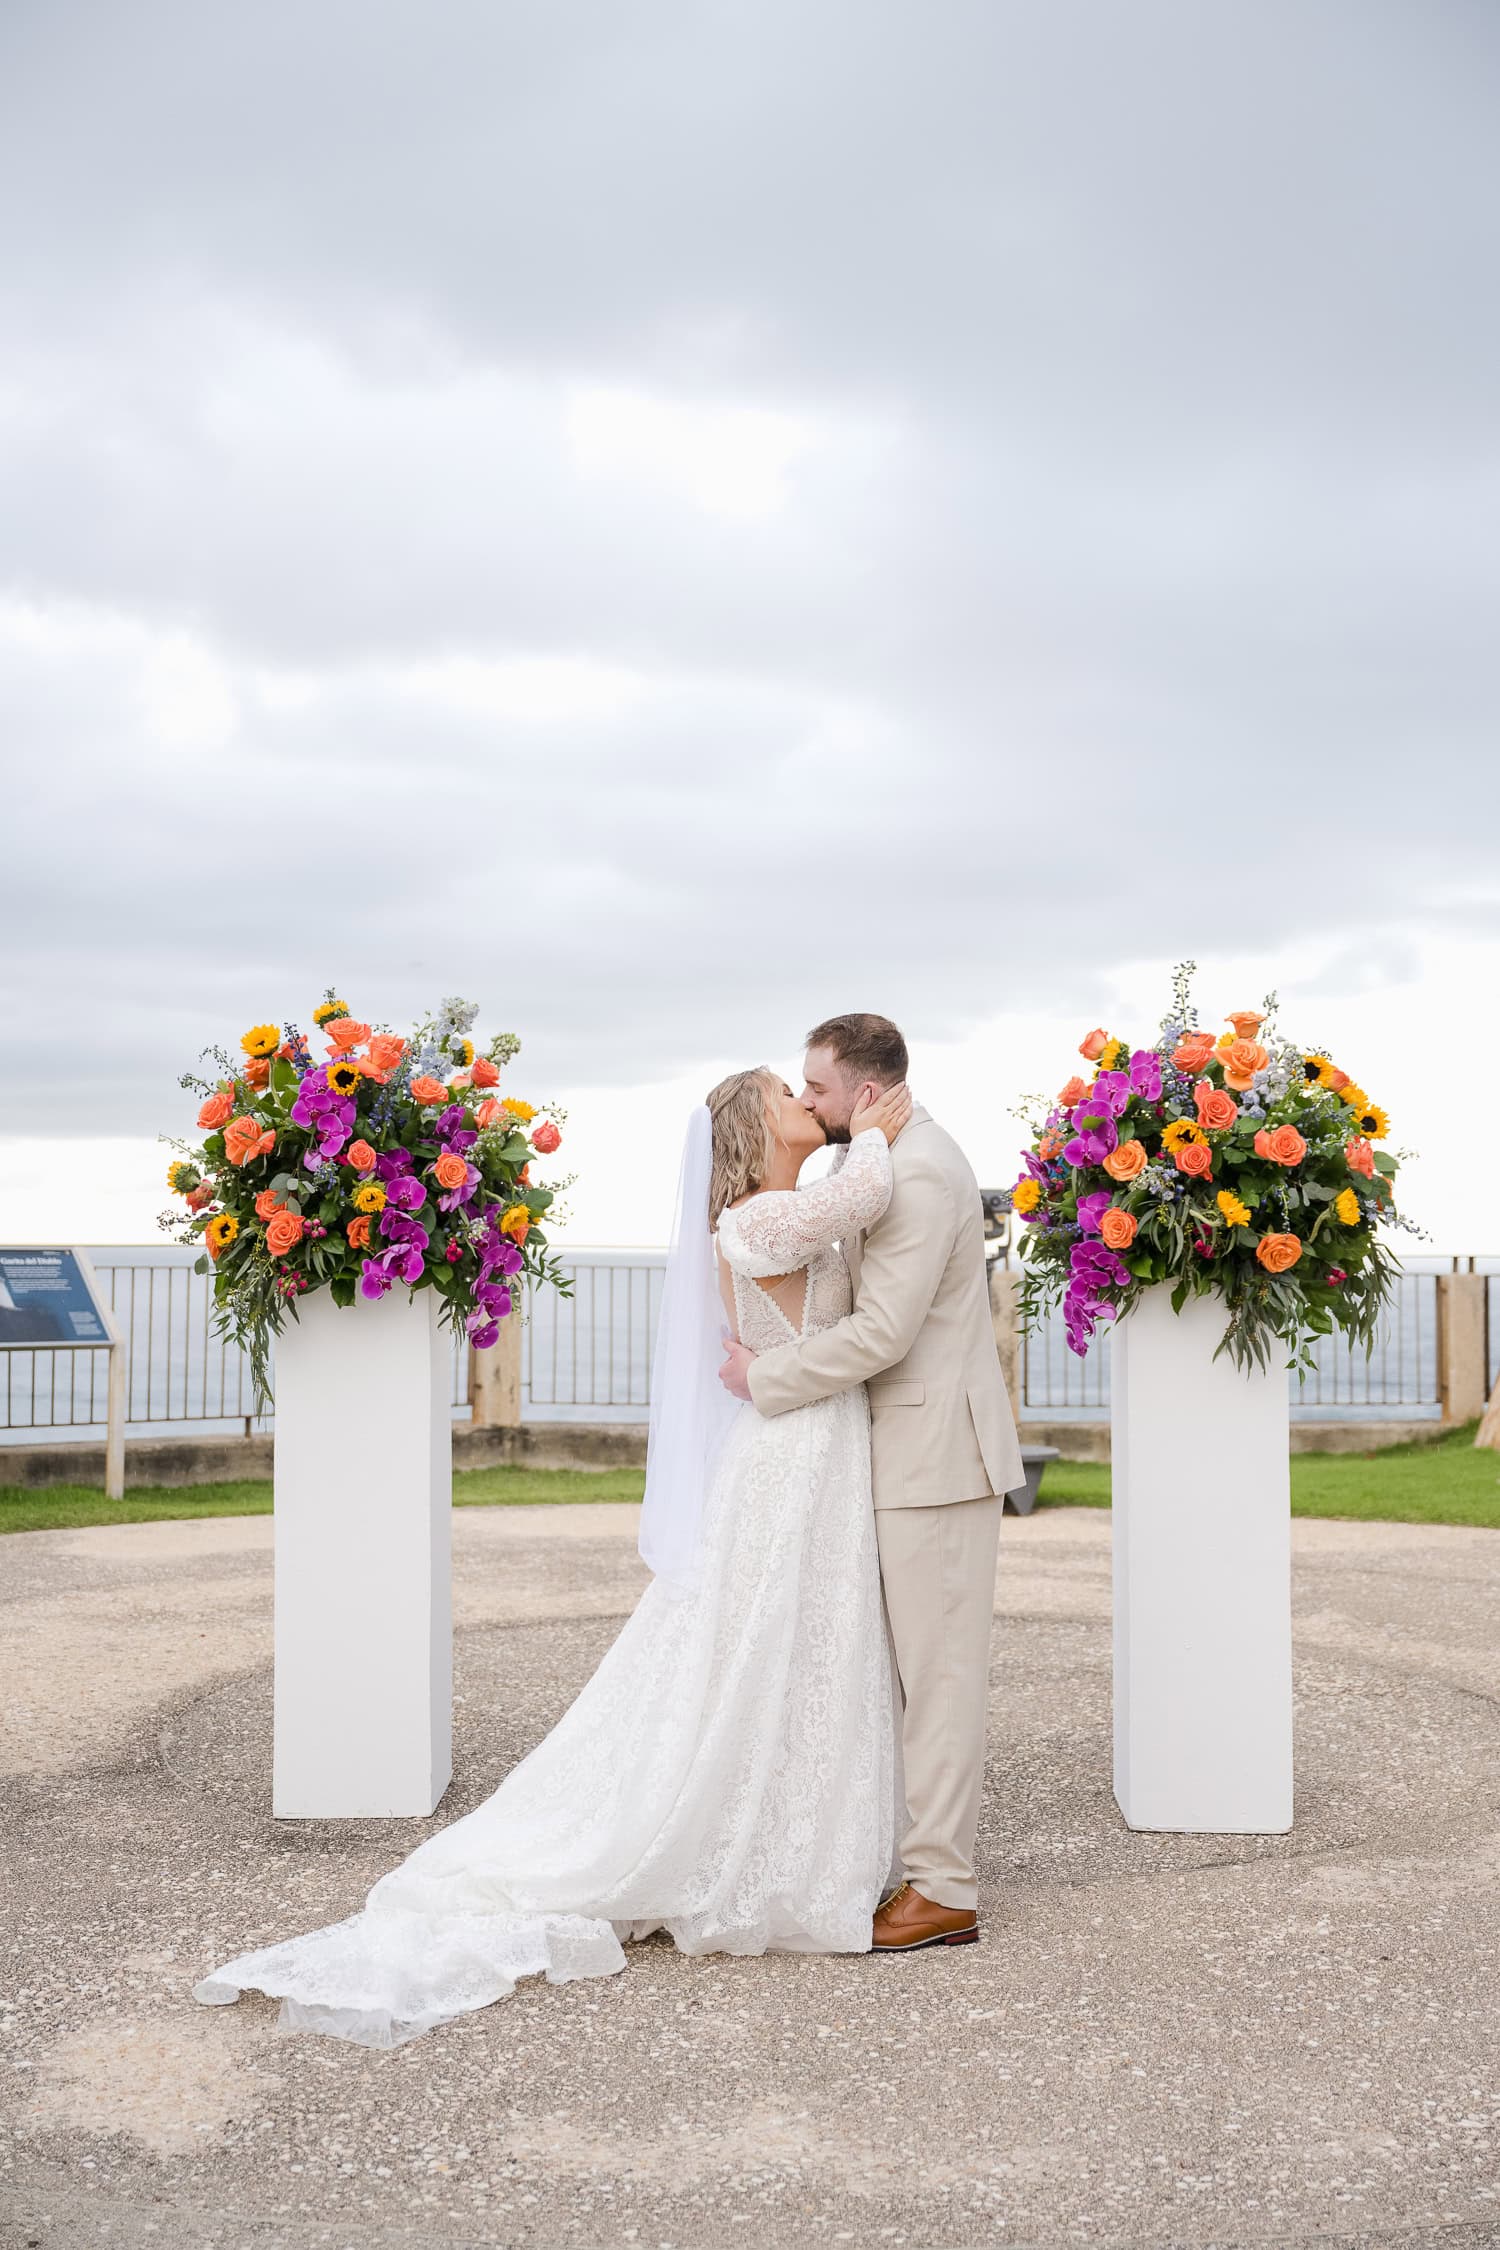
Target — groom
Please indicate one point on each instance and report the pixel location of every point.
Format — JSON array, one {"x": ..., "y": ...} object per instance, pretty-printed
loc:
[{"x": 943, "y": 1455}]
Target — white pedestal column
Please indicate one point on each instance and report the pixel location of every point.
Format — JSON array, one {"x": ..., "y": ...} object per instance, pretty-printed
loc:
[
  {"x": 363, "y": 1534},
  {"x": 1202, "y": 1578}
]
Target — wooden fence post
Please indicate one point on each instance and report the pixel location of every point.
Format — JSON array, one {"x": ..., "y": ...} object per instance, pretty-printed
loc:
[{"x": 495, "y": 1379}]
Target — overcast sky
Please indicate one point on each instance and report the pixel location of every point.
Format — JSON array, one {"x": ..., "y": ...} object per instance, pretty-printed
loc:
[{"x": 670, "y": 520}]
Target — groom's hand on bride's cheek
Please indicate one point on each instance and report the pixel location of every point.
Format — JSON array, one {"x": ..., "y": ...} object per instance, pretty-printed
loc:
[{"x": 735, "y": 1372}]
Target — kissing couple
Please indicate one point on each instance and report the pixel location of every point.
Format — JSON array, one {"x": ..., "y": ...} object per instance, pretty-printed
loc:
[{"x": 783, "y": 1749}]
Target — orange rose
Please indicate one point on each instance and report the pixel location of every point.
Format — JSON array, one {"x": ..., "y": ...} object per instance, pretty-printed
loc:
[
  {"x": 1360, "y": 1154},
  {"x": 450, "y": 1171},
  {"x": 344, "y": 1033},
  {"x": 267, "y": 1204},
  {"x": 1338, "y": 1080},
  {"x": 215, "y": 1111},
  {"x": 1283, "y": 1146},
  {"x": 1216, "y": 1109},
  {"x": 1117, "y": 1230},
  {"x": 1242, "y": 1058},
  {"x": 1073, "y": 1092},
  {"x": 360, "y": 1155},
  {"x": 428, "y": 1090},
  {"x": 284, "y": 1233},
  {"x": 484, "y": 1072},
  {"x": 546, "y": 1137},
  {"x": 246, "y": 1138},
  {"x": 1124, "y": 1162},
  {"x": 1195, "y": 1158},
  {"x": 1093, "y": 1047},
  {"x": 1278, "y": 1252},
  {"x": 487, "y": 1113},
  {"x": 198, "y": 1196},
  {"x": 1246, "y": 1023},
  {"x": 258, "y": 1071},
  {"x": 386, "y": 1051},
  {"x": 358, "y": 1231},
  {"x": 1193, "y": 1050}
]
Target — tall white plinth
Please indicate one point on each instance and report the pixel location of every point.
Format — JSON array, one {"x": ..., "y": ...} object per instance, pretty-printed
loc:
[
  {"x": 1202, "y": 1578},
  {"x": 363, "y": 1535}
]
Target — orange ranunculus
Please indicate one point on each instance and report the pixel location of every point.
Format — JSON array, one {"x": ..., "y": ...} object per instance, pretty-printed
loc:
[
  {"x": 1196, "y": 1159},
  {"x": 1073, "y": 1093},
  {"x": 1052, "y": 1143},
  {"x": 268, "y": 1203},
  {"x": 360, "y": 1155},
  {"x": 1242, "y": 1058},
  {"x": 484, "y": 1072},
  {"x": 257, "y": 1071},
  {"x": 344, "y": 1033},
  {"x": 216, "y": 1109},
  {"x": 450, "y": 1171},
  {"x": 386, "y": 1051},
  {"x": 245, "y": 1138},
  {"x": 1216, "y": 1109},
  {"x": 428, "y": 1090},
  {"x": 1284, "y": 1145},
  {"x": 358, "y": 1231},
  {"x": 1359, "y": 1153},
  {"x": 1278, "y": 1252},
  {"x": 1094, "y": 1045},
  {"x": 1193, "y": 1050},
  {"x": 488, "y": 1113},
  {"x": 1246, "y": 1023},
  {"x": 1117, "y": 1230},
  {"x": 284, "y": 1233},
  {"x": 1124, "y": 1162}
]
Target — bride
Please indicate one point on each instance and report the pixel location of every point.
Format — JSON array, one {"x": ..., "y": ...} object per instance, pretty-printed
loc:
[{"x": 729, "y": 1774}]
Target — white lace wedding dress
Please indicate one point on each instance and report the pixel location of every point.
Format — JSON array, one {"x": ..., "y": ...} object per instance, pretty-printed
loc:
[{"x": 728, "y": 1774}]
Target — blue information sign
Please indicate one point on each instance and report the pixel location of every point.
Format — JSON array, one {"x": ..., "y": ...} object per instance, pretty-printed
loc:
[{"x": 44, "y": 1299}]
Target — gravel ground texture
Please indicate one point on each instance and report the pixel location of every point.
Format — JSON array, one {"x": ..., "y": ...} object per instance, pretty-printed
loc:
[{"x": 1160, "y": 2041}]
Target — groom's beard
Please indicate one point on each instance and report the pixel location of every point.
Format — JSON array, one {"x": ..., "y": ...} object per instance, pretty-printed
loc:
[{"x": 837, "y": 1136}]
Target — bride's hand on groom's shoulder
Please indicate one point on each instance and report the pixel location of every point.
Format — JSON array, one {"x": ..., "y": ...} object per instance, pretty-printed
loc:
[{"x": 886, "y": 1108}]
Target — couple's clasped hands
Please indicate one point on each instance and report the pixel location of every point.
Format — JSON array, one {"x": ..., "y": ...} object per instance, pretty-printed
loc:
[{"x": 882, "y": 1109}]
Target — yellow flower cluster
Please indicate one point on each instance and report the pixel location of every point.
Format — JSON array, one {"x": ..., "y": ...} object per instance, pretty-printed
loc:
[
  {"x": 1026, "y": 1195},
  {"x": 1346, "y": 1208},
  {"x": 1236, "y": 1213},
  {"x": 521, "y": 1110}
]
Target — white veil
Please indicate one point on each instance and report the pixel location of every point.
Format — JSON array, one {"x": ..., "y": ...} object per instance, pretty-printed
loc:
[{"x": 690, "y": 1409}]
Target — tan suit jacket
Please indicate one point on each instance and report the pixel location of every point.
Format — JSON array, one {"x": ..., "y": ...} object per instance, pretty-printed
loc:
[{"x": 921, "y": 1336}]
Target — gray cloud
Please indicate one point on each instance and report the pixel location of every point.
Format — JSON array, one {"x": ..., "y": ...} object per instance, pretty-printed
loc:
[{"x": 1126, "y": 585}]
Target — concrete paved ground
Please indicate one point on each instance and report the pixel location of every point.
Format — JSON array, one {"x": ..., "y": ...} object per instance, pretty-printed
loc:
[{"x": 1160, "y": 2040}]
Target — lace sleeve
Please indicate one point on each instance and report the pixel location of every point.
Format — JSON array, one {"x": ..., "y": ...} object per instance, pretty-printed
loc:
[{"x": 778, "y": 1232}]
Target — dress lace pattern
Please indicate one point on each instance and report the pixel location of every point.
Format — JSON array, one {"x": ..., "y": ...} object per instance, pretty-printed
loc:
[{"x": 728, "y": 1774}]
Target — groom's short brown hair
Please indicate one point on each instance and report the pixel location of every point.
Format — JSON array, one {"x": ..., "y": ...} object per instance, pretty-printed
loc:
[{"x": 866, "y": 1046}]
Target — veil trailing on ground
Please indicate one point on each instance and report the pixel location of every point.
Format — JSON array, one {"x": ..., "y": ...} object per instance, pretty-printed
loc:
[{"x": 690, "y": 1410}]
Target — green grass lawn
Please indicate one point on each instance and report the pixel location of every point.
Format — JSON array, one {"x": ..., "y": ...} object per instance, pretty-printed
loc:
[{"x": 1445, "y": 1481}]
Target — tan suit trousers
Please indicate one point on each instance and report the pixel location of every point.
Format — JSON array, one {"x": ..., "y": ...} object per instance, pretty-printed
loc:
[{"x": 937, "y": 1568}]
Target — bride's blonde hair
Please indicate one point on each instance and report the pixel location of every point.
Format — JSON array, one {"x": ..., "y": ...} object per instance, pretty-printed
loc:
[{"x": 744, "y": 1141}]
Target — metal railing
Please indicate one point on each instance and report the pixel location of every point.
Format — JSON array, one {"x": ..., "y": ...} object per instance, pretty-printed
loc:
[
  {"x": 588, "y": 1356},
  {"x": 1401, "y": 1377}
]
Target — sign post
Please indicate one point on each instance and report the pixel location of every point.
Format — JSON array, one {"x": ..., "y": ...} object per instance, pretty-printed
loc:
[{"x": 50, "y": 1301}]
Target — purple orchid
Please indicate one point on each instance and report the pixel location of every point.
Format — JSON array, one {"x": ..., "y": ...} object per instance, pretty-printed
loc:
[
  {"x": 1109, "y": 1092},
  {"x": 1095, "y": 1137},
  {"x": 1145, "y": 1074},
  {"x": 405, "y": 1194},
  {"x": 1091, "y": 1210}
]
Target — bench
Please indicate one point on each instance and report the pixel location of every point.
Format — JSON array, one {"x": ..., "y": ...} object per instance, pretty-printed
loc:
[{"x": 1036, "y": 1457}]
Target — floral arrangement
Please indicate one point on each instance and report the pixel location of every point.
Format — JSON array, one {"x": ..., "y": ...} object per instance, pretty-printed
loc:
[
  {"x": 388, "y": 1160},
  {"x": 1229, "y": 1162}
]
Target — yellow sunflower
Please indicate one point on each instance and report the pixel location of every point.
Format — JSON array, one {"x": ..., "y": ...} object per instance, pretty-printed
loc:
[
  {"x": 521, "y": 1110},
  {"x": 1110, "y": 1053},
  {"x": 1317, "y": 1070},
  {"x": 1180, "y": 1130},
  {"x": 262, "y": 1039},
  {"x": 466, "y": 1051},
  {"x": 344, "y": 1077},
  {"x": 1346, "y": 1208},
  {"x": 1236, "y": 1214},
  {"x": 1355, "y": 1096},
  {"x": 328, "y": 1012},
  {"x": 370, "y": 1197},
  {"x": 222, "y": 1230},
  {"x": 1372, "y": 1121},
  {"x": 181, "y": 1178}
]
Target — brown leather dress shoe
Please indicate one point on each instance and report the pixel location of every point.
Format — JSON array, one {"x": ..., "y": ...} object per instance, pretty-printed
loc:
[{"x": 906, "y": 1921}]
